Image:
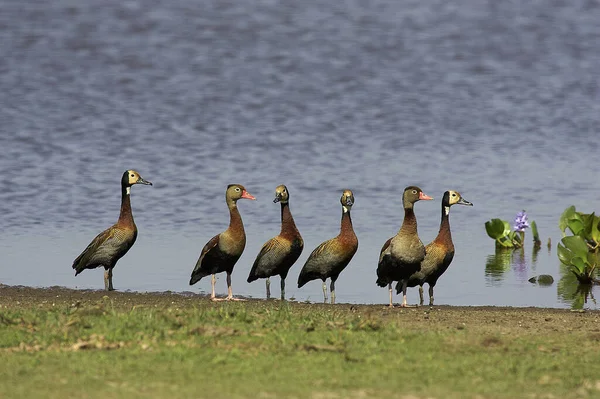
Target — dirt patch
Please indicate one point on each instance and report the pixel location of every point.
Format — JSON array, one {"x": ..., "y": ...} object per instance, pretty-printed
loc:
[{"x": 492, "y": 322}]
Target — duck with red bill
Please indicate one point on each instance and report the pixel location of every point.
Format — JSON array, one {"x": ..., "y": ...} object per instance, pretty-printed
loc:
[{"x": 222, "y": 252}]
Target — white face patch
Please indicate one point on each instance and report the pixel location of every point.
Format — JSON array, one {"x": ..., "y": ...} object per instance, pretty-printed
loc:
[
  {"x": 447, "y": 210},
  {"x": 345, "y": 209},
  {"x": 128, "y": 190}
]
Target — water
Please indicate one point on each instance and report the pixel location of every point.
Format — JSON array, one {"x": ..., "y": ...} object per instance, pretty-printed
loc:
[{"x": 498, "y": 100}]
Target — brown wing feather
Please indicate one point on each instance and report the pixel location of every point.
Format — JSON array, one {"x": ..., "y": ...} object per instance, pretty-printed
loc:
[
  {"x": 275, "y": 244},
  {"x": 270, "y": 257},
  {"x": 105, "y": 249},
  {"x": 214, "y": 242},
  {"x": 318, "y": 259},
  {"x": 385, "y": 246},
  {"x": 318, "y": 251}
]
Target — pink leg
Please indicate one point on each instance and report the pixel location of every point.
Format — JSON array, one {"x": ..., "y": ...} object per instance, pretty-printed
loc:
[
  {"x": 404, "y": 288},
  {"x": 213, "y": 281},
  {"x": 390, "y": 290}
]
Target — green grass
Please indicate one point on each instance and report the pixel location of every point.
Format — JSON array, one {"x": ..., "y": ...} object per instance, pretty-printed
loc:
[{"x": 111, "y": 348}]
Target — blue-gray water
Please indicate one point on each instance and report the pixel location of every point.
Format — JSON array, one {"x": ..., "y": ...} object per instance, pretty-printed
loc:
[{"x": 498, "y": 100}]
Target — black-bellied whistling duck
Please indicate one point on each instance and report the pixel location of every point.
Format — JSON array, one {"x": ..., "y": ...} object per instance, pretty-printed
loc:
[
  {"x": 281, "y": 252},
  {"x": 331, "y": 257},
  {"x": 402, "y": 254},
  {"x": 223, "y": 250},
  {"x": 439, "y": 252},
  {"x": 110, "y": 245}
]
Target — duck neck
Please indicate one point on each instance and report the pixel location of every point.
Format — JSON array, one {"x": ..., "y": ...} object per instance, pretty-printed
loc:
[
  {"x": 126, "y": 217},
  {"x": 346, "y": 225},
  {"x": 287, "y": 221},
  {"x": 235, "y": 219},
  {"x": 444, "y": 232},
  {"x": 409, "y": 225}
]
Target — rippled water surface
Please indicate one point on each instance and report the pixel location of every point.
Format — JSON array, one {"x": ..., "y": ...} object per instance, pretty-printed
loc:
[{"x": 498, "y": 100}]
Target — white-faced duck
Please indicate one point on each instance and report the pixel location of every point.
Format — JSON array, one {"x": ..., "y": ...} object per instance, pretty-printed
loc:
[
  {"x": 439, "y": 252},
  {"x": 222, "y": 252},
  {"x": 277, "y": 255},
  {"x": 401, "y": 255},
  {"x": 110, "y": 245},
  {"x": 331, "y": 257}
]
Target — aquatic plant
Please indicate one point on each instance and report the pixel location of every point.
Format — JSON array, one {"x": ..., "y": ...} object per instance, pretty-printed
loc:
[
  {"x": 583, "y": 225},
  {"x": 500, "y": 231},
  {"x": 573, "y": 252},
  {"x": 537, "y": 243},
  {"x": 570, "y": 291},
  {"x": 521, "y": 222}
]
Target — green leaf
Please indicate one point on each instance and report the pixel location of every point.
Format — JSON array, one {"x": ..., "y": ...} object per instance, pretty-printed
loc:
[
  {"x": 564, "y": 255},
  {"x": 576, "y": 245},
  {"x": 565, "y": 217},
  {"x": 495, "y": 228},
  {"x": 579, "y": 265},
  {"x": 505, "y": 242},
  {"x": 595, "y": 233},
  {"x": 576, "y": 225},
  {"x": 592, "y": 259},
  {"x": 534, "y": 231},
  {"x": 588, "y": 225},
  {"x": 507, "y": 229}
]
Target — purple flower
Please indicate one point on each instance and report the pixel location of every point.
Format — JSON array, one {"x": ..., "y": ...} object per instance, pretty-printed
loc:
[{"x": 521, "y": 222}]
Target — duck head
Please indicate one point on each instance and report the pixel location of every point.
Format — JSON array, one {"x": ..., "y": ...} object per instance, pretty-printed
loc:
[
  {"x": 281, "y": 194},
  {"x": 347, "y": 200},
  {"x": 131, "y": 177},
  {"x": 413, "y": 194},
  {"x": 453, "y": 198},
  {"x": 237, "y": 191}
]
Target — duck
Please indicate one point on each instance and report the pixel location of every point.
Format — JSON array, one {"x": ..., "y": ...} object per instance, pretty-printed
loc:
[
  {"x": 439, "y": 252},
  {"x": 222, "y": 252},
  {"x": 277, "y": 255},
  {"x": 113, "y": 243},
  {"x": 401, "y": 255},
  {"x": 332, "y": 256}
]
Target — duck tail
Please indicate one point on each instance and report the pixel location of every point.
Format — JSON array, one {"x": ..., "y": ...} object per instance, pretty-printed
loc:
[
  {"x": 253, "y": 273},
  {"x": 197, "y": 275},
  {"x": 382, "y": 282},
  {"x": 252, "y": 277}
]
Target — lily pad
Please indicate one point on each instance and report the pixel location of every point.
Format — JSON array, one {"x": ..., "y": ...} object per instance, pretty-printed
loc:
[{"x": 542, "y": 279}]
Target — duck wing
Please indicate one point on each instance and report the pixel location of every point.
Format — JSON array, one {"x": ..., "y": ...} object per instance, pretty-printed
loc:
[
  {"x": 383, "y": 265},
  {"x": 105, "y": 249},
  {"x": 200, "y": 271},
  {"x": 319, "y": 262},
  {"x": 272, "y": 253}
]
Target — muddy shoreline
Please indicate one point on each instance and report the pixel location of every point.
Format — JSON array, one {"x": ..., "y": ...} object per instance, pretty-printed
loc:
[{"x": 502, "y": 320}]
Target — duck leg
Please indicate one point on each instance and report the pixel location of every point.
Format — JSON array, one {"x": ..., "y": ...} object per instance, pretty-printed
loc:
[
  {"x": 332, "y": 289},
  {"x": 229, "y": 290},
  {"x": 213, "y": 281},
  {"x": 404, "y": 288},
  {"x": 282, "y": 288},
  {"x": 421, "y": 295},
  {"x": 324, "y": 292},
  {"x": 108, "y": 285},
  {"x": 430, "y": 295},
  {"x": 268, "y": 283},
  {"x": 390, "y": 290}
]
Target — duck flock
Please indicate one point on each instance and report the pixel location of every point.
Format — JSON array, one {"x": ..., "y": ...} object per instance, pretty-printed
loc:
[{"x": 403, "y": 258}]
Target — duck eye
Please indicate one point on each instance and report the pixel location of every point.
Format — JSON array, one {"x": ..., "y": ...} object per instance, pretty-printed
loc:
[
  {"x": 132, "y": 175},
  {"x": 414, "y": 191},
  {"x": 454, "y": 195},
  {"x": 237, "y": 189}
]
